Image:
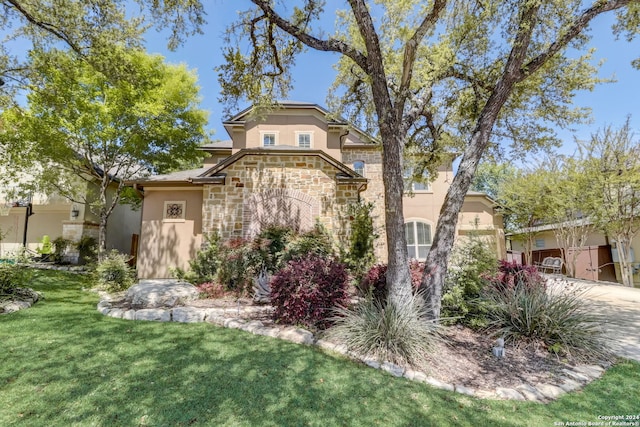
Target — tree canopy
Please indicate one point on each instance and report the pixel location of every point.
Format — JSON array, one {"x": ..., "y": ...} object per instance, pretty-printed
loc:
[{"x": 83, "y": 129}]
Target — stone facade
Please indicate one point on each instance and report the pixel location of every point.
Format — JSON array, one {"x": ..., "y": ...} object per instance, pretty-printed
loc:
[{"x": 293, "y": 190}]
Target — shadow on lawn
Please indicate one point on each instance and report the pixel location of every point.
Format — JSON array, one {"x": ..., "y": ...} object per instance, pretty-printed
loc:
[{"x": 92, "y": 369}]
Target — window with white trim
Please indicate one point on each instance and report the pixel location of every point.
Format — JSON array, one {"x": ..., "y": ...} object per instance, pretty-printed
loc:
[
  {"x": 409, "y": 179},
  {"x": 268, "y": 139},
  {"x": 418, "y": 235},
  {"x": 304, "y": 139},
  {"x": 358, "y": 167}
]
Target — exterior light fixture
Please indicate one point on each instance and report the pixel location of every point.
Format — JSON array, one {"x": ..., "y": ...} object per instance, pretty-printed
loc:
[{"x": 75, "y": 212}]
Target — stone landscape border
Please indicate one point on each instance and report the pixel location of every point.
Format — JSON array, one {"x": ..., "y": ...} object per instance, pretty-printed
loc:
[
  {"x": 572, "y": 379},
  {"x": 26, "y": 300}
]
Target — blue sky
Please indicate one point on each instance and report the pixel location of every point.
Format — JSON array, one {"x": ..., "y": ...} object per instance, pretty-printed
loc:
[{"x": 610, "y": 103}]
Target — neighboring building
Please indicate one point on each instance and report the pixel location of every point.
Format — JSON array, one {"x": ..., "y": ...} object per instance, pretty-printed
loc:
[
  {"x": 597, "y": 258},
  {"x": 55, "y": 216},
  {"x": 296, "y": 167}
]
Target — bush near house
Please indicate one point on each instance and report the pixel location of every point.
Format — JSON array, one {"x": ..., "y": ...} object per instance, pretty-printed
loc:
[
  {"x": 13, "y": 277},
  {"x": 472, "y": 262},
  {"x": 374, "y": 283},
  {"x": 112, "y": 273},
  {"x": 522, "y": 310},
  {"x": 307, "y": 290}
]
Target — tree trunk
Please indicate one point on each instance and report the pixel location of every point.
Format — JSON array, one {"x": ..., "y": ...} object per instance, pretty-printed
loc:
[
  {"x": 398, "y": 276},
  {"x": 626, "y": 269},
  {"x": 438, "y": 259}
]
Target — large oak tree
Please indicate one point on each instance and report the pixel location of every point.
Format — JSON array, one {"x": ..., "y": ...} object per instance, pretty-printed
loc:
[{"x": 436, "y": 74}]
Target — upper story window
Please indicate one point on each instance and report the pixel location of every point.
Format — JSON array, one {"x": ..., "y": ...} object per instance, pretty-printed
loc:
[
  {"x": 358, "y": 167},
  {"x": 418, "y": 235},
  {"x": 303, "y": 139},
  {"x": 418, "y": 186},
  {"x": 268, "y": 138}
]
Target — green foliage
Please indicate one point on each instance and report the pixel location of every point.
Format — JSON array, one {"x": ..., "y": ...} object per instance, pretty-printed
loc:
[
  {"x": 360, "y": 255},
  {"x": 113, "y": 274},
  {"x": 13, "y": 276},
  {"x": 275, "y": 240},
  {"x": 562, "y": 319},
  {"x": 386, "y": 332},
  {"x": 204, "y": 266},
  {"x": 237, "y": 265},
  {"x": 60, "y": 246},
  {"x": 316, "y": 241},
  {"x": 471, "y": 262},
  {"x": 81, "y": 122}
]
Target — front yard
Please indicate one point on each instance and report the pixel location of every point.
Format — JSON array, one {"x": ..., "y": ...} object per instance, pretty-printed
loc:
[{"x": 63, "y": 363}]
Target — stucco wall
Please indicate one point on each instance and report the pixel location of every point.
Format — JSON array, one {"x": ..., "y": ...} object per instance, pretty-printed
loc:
[
  {"x": 166, "y": 244},
  {"x": 47, "y": 219}
]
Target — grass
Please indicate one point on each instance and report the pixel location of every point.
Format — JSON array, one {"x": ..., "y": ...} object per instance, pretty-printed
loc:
[{"x": 64, "y": 364}]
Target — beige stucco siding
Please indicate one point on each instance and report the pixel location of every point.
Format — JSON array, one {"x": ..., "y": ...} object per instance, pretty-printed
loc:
[
  {"x": 46, "y": 220},
  {"x": 166, "y": 244},
  {"x": 286, "y": 129}
]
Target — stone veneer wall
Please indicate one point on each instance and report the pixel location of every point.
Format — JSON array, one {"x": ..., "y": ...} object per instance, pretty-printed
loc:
[
  {"x": 374, "y": 193},
  {"x": 302, "y": 182},
  {"x": 74, "y": 231}
]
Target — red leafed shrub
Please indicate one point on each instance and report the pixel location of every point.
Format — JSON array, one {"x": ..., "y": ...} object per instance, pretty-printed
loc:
[
  {"x": 374, "y": 282},
  {"x": 306, "y": 291},
  {"x": 511, "y": 274}
]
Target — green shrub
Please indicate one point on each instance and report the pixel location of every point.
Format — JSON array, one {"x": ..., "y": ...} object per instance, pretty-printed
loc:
[
  {"x": 204, "y": 266},
  {"x": 60, "y": 246},
  {"x": 471, "y": 263},
  {"x": 316, "y": 241},
  {"x": 359, "y": 256},
  {"x": 113, "y": 273},
  {"x": 562, "y": 319},
  {"x": 235, "y": 270},
  {"x": 400, "y": 335},
  {"x": 87, "y": 250},
  {"x": 12, "y": 277},
  {"x": 275, "y": 239}
]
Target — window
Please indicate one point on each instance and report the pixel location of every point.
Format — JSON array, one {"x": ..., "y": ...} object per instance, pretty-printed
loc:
[
  {"x": 418, "y": 235},
  {"x": 174, "y": 211},
  {"x": 358, "y": 167},
  {"x": 304, "y": 139},
  {"x": 539, "y": 243},
  {"x": 415, "y": 186},
  {"x": 268, "y": 139}
]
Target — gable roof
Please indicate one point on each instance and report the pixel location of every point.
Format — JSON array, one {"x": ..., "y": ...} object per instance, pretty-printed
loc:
[
  {"x": 344, "y": 172},
  {"x": 241, "y": 118}
]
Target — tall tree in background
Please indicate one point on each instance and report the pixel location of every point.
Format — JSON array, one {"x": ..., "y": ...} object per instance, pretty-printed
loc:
[
  {"x": 89, "y": 28},
  {"x": 611, "y": 161},
  {"x": 437, "y": 74},
  {"x": 85, "y": 131}
]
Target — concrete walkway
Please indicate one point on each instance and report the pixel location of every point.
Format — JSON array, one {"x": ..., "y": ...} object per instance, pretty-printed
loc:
[{"x": 621, "y": 307}]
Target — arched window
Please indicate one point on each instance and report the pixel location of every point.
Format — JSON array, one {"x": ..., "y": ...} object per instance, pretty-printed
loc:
[
  {"x": 418, "y": 235},
  {"x": 358, "y": 166}
]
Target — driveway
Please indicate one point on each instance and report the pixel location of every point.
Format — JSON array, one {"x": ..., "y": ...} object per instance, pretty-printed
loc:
[{"x": 621, "y": 307}]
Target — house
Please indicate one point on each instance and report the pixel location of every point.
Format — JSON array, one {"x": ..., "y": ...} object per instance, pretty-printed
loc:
[
  {"x": 297, "y": 166},
  {"x": 597, "y": 258},
  {"x": 25, "y": 220}
]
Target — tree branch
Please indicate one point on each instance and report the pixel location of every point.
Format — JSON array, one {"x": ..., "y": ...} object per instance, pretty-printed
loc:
[
  {"x": 574, "y": 30},
  {"x": 330, "y": 45},
  {"x": 50, "y": 28},
  {"x": 411, "y": 47}
]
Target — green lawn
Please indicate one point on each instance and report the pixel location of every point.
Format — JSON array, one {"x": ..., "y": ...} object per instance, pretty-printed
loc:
[{"x": 62, "y": 363}]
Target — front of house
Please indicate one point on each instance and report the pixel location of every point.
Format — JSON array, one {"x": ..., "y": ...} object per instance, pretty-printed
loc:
[{"x": 296, "y": 167}]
